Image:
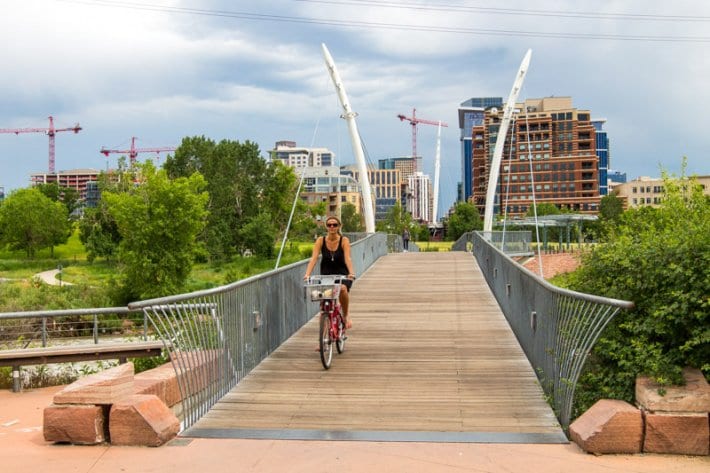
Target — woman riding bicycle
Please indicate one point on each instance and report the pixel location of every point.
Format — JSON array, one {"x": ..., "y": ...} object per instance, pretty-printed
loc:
[{"x": 335, "y": 249}]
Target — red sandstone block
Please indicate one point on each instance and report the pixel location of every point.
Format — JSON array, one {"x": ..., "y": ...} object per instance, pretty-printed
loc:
[
  {"x": 609, "y": 426},
  {"x": 693, "y": 397},
  {"x": 104, "y": 387},
  {"x": 681, "y": 434},
  {"x": 161, "y": 381},
  {"x": 142, "y": 419},
  {"x": 76, "y": 424}
]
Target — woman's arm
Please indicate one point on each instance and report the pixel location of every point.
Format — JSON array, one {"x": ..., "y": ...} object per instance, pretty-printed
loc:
[
  {"x": 348, "y": 260},
  {"x": 314, "y": 257}
]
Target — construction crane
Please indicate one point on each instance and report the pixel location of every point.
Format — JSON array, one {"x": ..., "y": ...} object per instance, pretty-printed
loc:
[
  {"x": 133, "y": 152},
  {"x": 51, "y": 131},
  {"x": 414, "y": 121}
]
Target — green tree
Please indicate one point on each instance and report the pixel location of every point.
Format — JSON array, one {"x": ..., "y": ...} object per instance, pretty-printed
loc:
[
  {"x": 611, "y": 208},
  {"x": 543, "y": 208},
  {"x": 352, "y": 221},
  {"x": 304, "y": 225},
  {"x": 660, "y": 259},
  {"x": 241, "y": 185},
  {"x": 464, "y": 218},
  {"x": 66, "y": 195},
  {"x": 159, "y": 220},
  {"x": 396, "y": 220},
  {"x": 257, "y": 236},
  {"x": 98, "y": 231},
  {"x": 30, "y": 221}
]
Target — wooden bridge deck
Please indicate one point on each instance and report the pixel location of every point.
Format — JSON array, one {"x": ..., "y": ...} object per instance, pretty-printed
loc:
[{"x": 430, "y": 358}]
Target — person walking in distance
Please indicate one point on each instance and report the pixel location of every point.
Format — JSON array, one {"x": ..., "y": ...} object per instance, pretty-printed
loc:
[
  {"x": 405, "y": 239},
  {"x": 335, "y": 251}
]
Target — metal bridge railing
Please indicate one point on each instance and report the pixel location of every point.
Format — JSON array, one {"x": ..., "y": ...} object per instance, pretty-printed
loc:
[
  {"x": 556, "y": 327},
  {"x": 215, "y": 337},
  {"x": 46, "y": 328}
]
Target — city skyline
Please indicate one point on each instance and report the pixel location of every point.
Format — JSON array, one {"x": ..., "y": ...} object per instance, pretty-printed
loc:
[{"x": 173, "y": 69}]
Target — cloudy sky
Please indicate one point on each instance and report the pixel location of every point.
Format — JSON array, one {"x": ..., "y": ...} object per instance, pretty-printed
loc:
[{"x": 161, "y": 70}]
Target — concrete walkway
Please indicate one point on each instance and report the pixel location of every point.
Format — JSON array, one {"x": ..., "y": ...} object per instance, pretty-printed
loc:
[
  {"x": 50, "y": 277},
  {"x": 23, "y": 449}
]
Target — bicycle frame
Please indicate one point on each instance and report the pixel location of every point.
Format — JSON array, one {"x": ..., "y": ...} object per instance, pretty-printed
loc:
[{"x": 326, "y": 289}]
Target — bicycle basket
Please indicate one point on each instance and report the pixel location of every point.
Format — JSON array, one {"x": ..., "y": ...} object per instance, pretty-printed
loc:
[{"x": 323, "y": 287}]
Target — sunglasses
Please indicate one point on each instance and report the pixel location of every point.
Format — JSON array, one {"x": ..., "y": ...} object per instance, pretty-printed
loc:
[{"x": 332, "y": 225}]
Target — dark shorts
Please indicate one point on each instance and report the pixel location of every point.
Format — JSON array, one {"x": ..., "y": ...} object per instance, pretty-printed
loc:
[{"x": 348, "y": 283}]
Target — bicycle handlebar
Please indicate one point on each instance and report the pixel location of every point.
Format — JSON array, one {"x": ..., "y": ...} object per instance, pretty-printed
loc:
[{"x": 327, "y": 279}]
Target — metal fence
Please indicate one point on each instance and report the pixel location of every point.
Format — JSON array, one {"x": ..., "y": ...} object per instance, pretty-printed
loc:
[
  {"x": 45, "y": 328},
  {"x": 217, "y": 336},
  {"x": 517, "y": 243},
  {"x": 556, "y": 327}
]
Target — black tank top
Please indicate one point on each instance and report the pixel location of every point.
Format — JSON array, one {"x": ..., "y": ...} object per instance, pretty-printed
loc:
[{"x": 333, "y": 262}]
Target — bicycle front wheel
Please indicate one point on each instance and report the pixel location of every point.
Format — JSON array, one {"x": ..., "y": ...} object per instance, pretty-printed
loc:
[
  {"x": 340, "y": 344},
  {"x": 324, "y": 342}
]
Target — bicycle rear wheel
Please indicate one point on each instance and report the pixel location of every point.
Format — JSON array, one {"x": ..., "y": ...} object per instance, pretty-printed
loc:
[{"x": 324, "y": 342}]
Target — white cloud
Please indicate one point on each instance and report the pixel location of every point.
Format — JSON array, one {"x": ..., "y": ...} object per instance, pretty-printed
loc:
[{"x": 160, "y": 75}]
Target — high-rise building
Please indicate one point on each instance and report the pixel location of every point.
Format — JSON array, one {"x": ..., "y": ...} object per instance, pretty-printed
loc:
[
  {"x": 386, "y": 186},
  {"x": 322, "y": 179},
  {"x": 76, "y": 179},
  {"x": 471, "y": 113},
  {"x": 297, "y": 157},
  {"x": 420, "y": 203},
  {"x": 614, "y": 179},
  {"x": 649, "y": 191},
  {"x": 602, "y": 142},
  {"x": 406, "y": 165},
  {"x": 549, "y": 156},
  {"x": 326, "y": 184}
]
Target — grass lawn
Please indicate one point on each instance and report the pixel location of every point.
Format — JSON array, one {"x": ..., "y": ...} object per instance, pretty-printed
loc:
[{"x": 434, "y": 245}]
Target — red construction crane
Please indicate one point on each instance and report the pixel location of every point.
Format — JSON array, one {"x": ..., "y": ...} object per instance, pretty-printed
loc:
[
  {"x": 133, "y": 152},
  {"x": 51, "y": 131},
  {"x": 414, "y": 121}
]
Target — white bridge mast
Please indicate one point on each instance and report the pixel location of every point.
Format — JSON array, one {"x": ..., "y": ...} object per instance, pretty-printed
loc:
[
  {"x": 349, "y": 116},
  {"x": 500, "y": 142},
  {"x": 437, "y": 166}
]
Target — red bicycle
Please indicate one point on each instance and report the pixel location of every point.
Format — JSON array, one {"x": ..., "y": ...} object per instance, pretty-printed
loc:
[{"x": 326, "y": 289}]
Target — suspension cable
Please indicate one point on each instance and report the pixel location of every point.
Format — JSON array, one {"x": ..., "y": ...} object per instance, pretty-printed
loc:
[{"x": 532, "y": 188}]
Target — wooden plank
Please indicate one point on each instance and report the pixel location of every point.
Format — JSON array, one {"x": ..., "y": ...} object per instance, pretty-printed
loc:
[
  {"x": 104, "y": 351},
  {"x": 430, "y": 352}
]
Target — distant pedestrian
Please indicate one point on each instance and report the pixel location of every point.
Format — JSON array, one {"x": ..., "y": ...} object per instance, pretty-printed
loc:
[{"x": 405, "y": 239}]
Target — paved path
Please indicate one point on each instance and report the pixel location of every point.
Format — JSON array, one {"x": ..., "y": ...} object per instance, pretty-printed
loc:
[
  {"x": 23, "y": 449},
  {"x": 50, "y": 277}
]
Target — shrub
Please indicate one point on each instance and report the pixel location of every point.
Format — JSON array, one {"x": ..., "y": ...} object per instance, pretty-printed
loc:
[{"x": 660, "y": 259}]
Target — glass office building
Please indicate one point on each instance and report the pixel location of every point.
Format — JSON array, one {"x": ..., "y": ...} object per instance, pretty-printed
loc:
[{"x": 471, "y": 113}]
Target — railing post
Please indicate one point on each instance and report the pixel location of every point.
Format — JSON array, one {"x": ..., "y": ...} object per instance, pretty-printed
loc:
[
  {"x": 16, "y": 381},
  {"x": 44, "y": 331}
]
